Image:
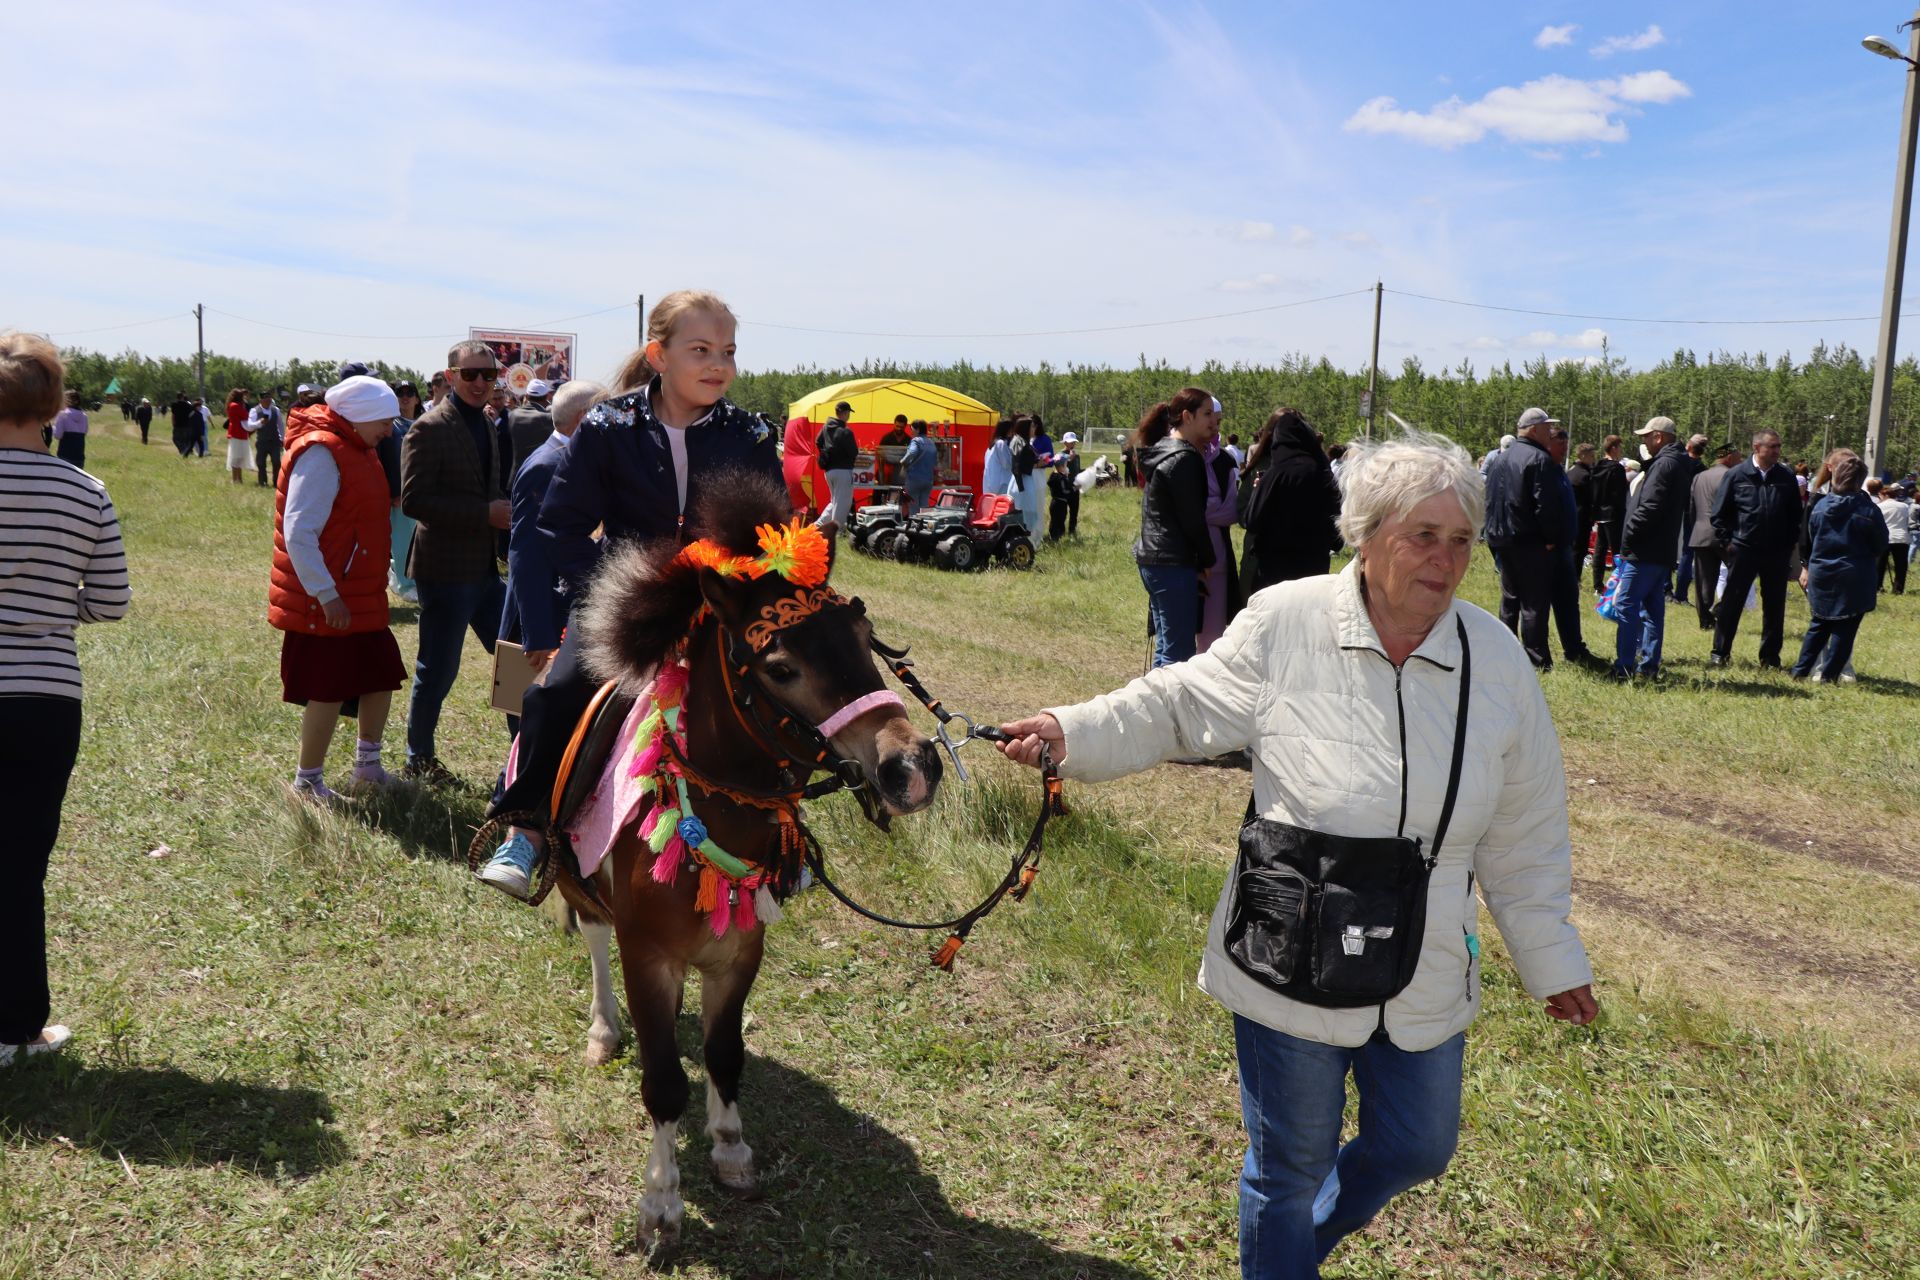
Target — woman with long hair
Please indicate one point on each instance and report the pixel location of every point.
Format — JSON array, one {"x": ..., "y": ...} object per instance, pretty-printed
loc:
[
  {"x": 1290, "y": 515},
  {"x": 1174, "y": 548}
]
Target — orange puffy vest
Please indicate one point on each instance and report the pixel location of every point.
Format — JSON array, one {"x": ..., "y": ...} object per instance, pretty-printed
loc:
[{"x": 357, "y": 540}]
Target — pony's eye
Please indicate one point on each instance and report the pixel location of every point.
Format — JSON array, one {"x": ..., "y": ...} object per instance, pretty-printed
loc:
[{"x": 781, "y": 673}]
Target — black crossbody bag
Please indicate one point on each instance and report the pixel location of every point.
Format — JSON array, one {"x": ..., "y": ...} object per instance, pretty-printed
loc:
[{"x": 1337, "y": 921}]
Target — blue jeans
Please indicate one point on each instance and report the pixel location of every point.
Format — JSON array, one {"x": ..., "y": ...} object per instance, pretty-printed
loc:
[
  {"x": 1829, "y": 643},
  {"x": 1301, "y": 1190},
  {"x": 1683, "y": 577},
  {"x": 447, "y": 610},
  {"x": 1173, "y": 602},
  {"x": 1642, "y": 602}
]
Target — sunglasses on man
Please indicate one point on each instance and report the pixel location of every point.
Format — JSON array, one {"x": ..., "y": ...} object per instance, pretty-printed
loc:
[{"x": 474, "y": 375}]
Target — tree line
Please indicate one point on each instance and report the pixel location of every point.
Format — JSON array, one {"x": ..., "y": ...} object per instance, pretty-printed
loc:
[{"x": 1815, "y": 403}]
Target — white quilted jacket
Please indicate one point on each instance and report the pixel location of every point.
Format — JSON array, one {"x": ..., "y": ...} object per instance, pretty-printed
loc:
[{"x": 1301, "y": 681}]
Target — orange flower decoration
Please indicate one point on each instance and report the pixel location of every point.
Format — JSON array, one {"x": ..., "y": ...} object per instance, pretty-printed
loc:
[
  {"x": 708, "y": 554},
  {"x": 797, "y": 552}
]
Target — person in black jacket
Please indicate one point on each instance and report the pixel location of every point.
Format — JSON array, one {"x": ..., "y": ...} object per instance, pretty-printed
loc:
[
  {"x": 838, "y": 449},
  {"x": 1173, "y": 548},
  {"x": 1529, "y": 518},
  {"x": 1580, "y": 476},
  {"x": 1757, "y": 517},
  {"x": 1609, "y": 507},
  {"x": 1290, "y": 503},
  {"x": 1566, "y": 557},
  {"x": 1649, "y": 548},
  {"x": 636, "y": 463}
]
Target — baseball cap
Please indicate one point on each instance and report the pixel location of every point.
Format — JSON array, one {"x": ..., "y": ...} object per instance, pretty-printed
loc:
[
  {"x": 353, "y": 369},
  {"x": 1661, "y": 424},
  {"x": 305, "y": 389},
  {"x": 538, "y": 388},
  {"x": 843, "y": 408},
  {"x": 1534, "y": 418},
  {"x": 1070, "y": 438}
]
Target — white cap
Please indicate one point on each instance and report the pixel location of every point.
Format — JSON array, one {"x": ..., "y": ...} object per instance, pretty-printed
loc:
[
  {"x": 1664, "y": 424},
  {"x": 1535, "y": 418},
  {"x": 363, "y": 399},
  {"x": 1069, "y": 438},
  {"x": 538, "y": 389}
]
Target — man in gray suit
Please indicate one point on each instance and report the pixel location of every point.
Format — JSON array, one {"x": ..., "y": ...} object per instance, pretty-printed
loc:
[
  {"x": 1701, "y": 539},
  {"x": 529, "y": 425}
]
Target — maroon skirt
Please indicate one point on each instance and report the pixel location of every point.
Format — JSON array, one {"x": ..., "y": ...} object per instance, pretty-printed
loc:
[{"x": 322, "y": 668}]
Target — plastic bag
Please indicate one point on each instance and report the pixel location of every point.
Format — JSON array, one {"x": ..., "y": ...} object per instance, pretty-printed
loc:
[{"x": 1606, "y": 605}]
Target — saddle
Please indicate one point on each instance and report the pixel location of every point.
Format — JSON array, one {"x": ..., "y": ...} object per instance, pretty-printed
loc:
[{"x": 587, "y": 751}]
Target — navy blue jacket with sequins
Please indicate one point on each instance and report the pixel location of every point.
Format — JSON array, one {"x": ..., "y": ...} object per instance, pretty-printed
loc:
[{"x": 618, "y": 471}]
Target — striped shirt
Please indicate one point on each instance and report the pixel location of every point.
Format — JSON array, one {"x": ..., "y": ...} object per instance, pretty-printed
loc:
[{"x": 61, "y": 563}]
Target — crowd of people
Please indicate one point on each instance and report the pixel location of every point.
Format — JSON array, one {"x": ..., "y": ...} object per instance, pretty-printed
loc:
[{"x": 1670, "y": 523}]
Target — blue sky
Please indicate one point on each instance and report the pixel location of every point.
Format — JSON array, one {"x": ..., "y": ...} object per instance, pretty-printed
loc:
[{"x": 401, "y": 172}]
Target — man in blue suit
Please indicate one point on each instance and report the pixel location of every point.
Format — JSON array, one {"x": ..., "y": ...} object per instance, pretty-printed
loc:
[{"x": 537, "y": 598}]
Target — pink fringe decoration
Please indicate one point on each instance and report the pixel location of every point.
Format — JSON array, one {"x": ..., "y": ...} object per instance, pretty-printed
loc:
[
  {"x": 671, "y": 682},
  {"x": 720, "y": 918},
  {"x": 743, "y": 917},
  {"x": 647, "y": 759},
  {"x": 666, "y": 867},
  {"x": 648, "y": 823}
]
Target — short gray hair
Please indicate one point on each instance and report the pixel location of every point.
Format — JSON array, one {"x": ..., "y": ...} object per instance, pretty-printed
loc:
[
  {"x": 571, "y": 402},
  {"x": 1382, "y": 479}
]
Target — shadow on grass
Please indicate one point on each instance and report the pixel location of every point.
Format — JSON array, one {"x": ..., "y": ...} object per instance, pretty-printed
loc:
[
  {"x": 1887, "y": 684},
  {"x": 167, "y": 1117},
  {"x": 1751, "y": 688},
  {"x": 840, "y": 1194},
  {"x": 428, "y": 822}
]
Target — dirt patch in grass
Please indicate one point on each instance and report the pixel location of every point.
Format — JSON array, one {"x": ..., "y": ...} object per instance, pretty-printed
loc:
[
  {"x": 1858, "y": 847},
  {"x": 1785, "y": 957}
]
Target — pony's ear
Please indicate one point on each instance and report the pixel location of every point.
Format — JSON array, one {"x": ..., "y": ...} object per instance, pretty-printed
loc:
[{"x": 726, "y": 596}]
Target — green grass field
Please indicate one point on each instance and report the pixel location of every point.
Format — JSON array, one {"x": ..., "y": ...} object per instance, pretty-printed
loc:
[{"x": 310, "y": 1046}]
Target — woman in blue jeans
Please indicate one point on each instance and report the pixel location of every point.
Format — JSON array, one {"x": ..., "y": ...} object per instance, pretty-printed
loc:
[
  {"x": 1174, "y": 547},
  {"x": 1348, "y": 691}
]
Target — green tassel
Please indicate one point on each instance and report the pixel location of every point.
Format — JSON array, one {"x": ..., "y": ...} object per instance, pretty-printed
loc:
[{"x": 663, "y": 830}]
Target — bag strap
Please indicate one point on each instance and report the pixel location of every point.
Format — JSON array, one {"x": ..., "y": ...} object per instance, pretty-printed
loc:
[
  {"x": 1459, "y": 750},
  {"x": 1459, "y": 744}
]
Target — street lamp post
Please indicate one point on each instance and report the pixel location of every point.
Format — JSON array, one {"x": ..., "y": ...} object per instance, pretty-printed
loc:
[{"x": 1896, "y": 243}]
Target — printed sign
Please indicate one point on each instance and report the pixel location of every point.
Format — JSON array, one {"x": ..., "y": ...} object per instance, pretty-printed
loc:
[{"x": 526, "y": 356}]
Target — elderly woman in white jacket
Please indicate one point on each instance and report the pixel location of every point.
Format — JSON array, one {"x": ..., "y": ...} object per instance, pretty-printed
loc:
[{"x": 1347, "y": 690}]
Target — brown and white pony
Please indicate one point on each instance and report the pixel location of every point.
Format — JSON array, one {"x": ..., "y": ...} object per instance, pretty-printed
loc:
[{"x": 751, "y": 640}]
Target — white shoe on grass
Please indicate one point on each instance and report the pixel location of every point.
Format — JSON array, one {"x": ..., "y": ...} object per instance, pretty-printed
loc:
[{"x": 52, "y": 1039}]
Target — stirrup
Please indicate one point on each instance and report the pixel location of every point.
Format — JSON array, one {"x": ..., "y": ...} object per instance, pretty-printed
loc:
[{"x": 493, "y": 831}]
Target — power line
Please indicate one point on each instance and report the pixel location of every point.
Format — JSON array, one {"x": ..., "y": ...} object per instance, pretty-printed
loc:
[
  {"x": 1575, "y": 315},
  {"x": 1055, "y": 333},
  {"x": 323, "y": 333},
  {"x": 131, "y": 324}
]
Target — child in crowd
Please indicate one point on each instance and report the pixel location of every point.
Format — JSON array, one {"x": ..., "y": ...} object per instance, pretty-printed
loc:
[
  {"x": 332, "y": 536},
  {"x": 1060, "y": 496},
  {"x": 636, "y": 464}
]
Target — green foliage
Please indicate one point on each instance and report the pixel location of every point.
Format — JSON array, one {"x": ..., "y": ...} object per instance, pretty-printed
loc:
[
  {"x": 159, "y": 380},
  {"x": 1721, "y": 395}
]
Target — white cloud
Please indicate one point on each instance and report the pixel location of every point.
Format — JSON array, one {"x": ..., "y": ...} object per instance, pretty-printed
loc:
[
  {"x": 1550, "y": 37},
  {"x": 1647, "y": 39},
  {"x": 1553, "y": 109},
  {"x": 1299, "y": 236},
  {"x": 1255, "y": 231},
  {"x": 1547, "y": 339},
  {"x": 1358, "y": 240}
]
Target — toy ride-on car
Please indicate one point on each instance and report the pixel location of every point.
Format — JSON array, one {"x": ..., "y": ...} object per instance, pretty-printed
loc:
[
  {"x": 963, "y": 532},
  {"x": 878, "y": 516}
]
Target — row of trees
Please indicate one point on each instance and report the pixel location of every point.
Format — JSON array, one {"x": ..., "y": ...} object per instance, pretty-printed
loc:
[
  {"x": 159, "y": 380},
  {"x": 1815, "y": 403}
]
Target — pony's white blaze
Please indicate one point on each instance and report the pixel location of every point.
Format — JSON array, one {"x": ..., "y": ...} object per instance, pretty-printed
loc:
[
  {"x": 603, "y": 1036},
  {"x": 732, "y": 1158},
  {"x": 661, "y": 1208}
]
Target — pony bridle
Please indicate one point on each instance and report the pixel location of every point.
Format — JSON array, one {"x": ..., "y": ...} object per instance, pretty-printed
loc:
[{"x": 748, "y": 692}]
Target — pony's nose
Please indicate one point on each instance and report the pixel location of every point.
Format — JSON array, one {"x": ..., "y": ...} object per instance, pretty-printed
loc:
[{"x": 909, "y": 779}]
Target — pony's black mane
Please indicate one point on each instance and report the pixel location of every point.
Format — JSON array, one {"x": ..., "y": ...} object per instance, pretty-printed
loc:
[{"x": 641, "y": 602}]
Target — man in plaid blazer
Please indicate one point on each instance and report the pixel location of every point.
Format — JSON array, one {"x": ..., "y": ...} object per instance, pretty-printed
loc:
[{"x": 453, "y": 482}]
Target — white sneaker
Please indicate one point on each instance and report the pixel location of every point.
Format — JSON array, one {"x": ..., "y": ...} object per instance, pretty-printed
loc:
[
  {"x": 52, "y": 1039},
  {"x": 372, "y": 775}
]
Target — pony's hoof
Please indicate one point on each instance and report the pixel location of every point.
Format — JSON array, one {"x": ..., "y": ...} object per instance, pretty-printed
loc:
[
  {"x": 659, "y": 1227},
  {"x": 602, "y": 1051},
  {"x": 733, "y": 1170}
]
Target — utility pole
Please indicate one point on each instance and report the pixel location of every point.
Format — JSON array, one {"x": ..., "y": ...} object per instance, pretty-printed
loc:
[
  {"x": 640, "y": 306},
  {"x": 1373, "y": 366},
  {"x": 200, "y": 347},
  {"x": 1896, "y": 262}
]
